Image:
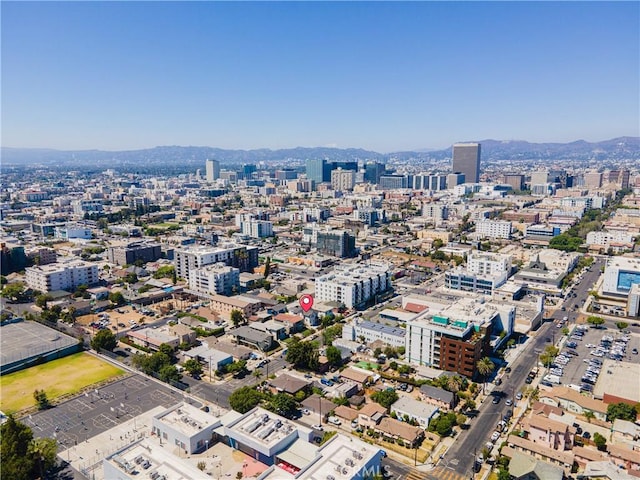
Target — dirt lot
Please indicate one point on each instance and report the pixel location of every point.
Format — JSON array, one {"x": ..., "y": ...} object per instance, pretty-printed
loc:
[{"x": 127, "y": 316}]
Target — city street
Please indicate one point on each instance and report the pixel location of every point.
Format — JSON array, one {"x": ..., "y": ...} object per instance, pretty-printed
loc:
[{"x": 469, "y": 443}]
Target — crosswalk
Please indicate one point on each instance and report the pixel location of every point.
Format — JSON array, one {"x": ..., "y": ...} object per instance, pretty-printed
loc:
[{"x": 439, "y": 473}]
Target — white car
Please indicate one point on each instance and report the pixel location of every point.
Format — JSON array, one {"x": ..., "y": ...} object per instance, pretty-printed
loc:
[
  {"x": 334, "y": 420},
  {"x": 495, "y": 436}
]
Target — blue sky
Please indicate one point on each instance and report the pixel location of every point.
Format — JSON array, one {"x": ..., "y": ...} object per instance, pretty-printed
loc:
[{"x": 382, "y": 76}]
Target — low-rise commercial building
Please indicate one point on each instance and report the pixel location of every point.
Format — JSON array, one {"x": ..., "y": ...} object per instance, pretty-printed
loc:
[
  {"x": 371, "y": 332},
  {"x": 185, "y": 426}
]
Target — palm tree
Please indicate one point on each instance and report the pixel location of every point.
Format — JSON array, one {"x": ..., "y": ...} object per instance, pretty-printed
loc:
[
  {"x": 454, "y": 383},
  {"x": 485, "y": 366},
  {"x": 589, "y": 415}
]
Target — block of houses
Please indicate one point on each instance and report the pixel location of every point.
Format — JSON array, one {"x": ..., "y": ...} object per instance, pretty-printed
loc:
[
  {"x": 396, "y": 430},
  {"x": 572, "y": 401},
  {"x": 407, "y": 407},
  {"x": 438, "y": 397},
  {"x": 370, "y": 415},
  {"x": 550, "y": 433}
]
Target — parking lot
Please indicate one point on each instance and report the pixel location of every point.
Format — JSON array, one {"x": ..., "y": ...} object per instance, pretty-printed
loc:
[{"x": 580, "y": 363}]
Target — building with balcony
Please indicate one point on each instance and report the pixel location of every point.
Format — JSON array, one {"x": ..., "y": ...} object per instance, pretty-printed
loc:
[{"x": 62, "y": 276}]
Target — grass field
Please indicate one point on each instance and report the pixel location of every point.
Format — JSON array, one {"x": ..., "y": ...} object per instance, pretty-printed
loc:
[{"x": 58, "y": 377}]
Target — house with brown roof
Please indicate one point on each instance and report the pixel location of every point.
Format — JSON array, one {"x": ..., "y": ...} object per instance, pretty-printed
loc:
[
  {"x": 515, "y": 443},
  {"x": 539, "y": 408},
  {"x": 293, "y": 323},
  {"x": 572, "y": 401},
  {"x": 361, "y": 377},
  {"x": 396, "y": 430},
  {"x": 288, "y": 384},
  {"x": 625, "y": 457},
  {"x": 318, "y": 405},
  {"x": 371, "y": 414},
  {"x": 584, "y": 455},
  {"x": 550, "y": 433},
  {"x": 346, "y": 413}
]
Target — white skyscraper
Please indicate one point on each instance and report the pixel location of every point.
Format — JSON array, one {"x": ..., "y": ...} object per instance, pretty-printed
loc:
[{"x": 213, "y": 170}]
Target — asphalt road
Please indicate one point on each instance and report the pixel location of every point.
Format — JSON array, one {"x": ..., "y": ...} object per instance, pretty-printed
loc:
[{"x": 463, "y": 452}]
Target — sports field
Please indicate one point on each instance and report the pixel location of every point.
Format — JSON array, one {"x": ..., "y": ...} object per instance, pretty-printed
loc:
[{"x": 58, "y": 377}]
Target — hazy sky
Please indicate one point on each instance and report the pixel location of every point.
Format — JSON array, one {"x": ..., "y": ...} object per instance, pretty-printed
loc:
[{"x": 381, "y": 76}]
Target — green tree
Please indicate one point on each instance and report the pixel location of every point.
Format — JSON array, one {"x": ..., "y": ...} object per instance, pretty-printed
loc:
[
  {"x": 622, "y": 325},
  {"x": 485, "y": 367},
  {"x": 334, "y": 356},
  {"x": 42, "y": 401},
  {"x": 18, "y": 451},
  {"x": 237, "y": 317},
  {"x": 597, "y": 322},
  {"x": 193, "y": 367},
  {"x": 386, "y": 398},
  {"x": 169, "y": 373},
  {"x": 43, "y": 452},
  {"x": 565, "y": 331},
  {"x": 600, "y": 441},
  {"x": 284, "y": 405},
  {"x": 165, "y": 271},
  {"x": 104, "y": 340},
  {"x": 503, "y": 474},
  {"x": 267, "y": 267},
  {"x": 14, "y": 292},
  {"x": 168, "y": 350},
  {"x": 42, "y": 300},
  {"x": 454, "y": 382},
  {"x": 117, "y": 298},
  {"x": 621, "y": 410},
  {"x": 131, "y": 278},
  {"x": 303, "y": 354},
  {"x": 244, "y": 399},
  {"x": 589, "y": 415}
]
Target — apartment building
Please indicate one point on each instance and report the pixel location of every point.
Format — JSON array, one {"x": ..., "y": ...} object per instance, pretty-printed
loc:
[
  {"x": 215, "y": 279},
  {"x": 62, "y": 276},
  {"x": 493, "y": 229},
  {"x": 129, "y": 253},
  {"x": 191, "y": 258},
  {"x": 353, "y": 285},
  {"x": 371, "y": 332}
]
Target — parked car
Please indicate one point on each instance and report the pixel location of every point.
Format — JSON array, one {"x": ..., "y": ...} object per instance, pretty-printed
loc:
[{"x": 334, "y": 420}]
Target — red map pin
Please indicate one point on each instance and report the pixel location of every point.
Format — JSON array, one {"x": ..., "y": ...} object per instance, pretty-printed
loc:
[{"x": 306, "y": 302}]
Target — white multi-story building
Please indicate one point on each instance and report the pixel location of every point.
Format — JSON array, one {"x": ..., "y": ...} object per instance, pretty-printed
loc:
[
  {"x": 488, "y": 263},
  {"x": 257, "y": 228},
  {"x": 435, "y": 211},
  {"x": 343, "y": 180},
  {"x": 212, "y": 170},
  {"x": 215, "y": 279},
  {"x": 72, "y": 232},
  {"x": 370, "y": 331},
  {"x": 189, "y": 259},
  {"x": 353, "y": 285},
  {"x": 606, "y": 238},
  {"x": 186, "y": 426},
  {"x": 493, "y": 229},
  {"x": 62, "y": 276}
]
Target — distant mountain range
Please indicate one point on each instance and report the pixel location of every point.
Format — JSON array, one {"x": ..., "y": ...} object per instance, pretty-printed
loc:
[{"x": 194, "y": 157}]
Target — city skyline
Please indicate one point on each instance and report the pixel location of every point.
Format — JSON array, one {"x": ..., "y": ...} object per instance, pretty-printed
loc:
[{"x": 379, "y": 76}]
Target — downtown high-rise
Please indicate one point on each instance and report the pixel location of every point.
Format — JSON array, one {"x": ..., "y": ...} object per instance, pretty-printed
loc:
[{"x": 466, "y": 159}]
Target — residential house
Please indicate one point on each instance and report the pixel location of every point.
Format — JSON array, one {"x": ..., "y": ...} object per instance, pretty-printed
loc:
[
  {"x": 357, "y": 375},
  {"x": 289, "y": 384},
  {"x": 253, "y": 338},
  {"x": 572, "y": 401},
  {"x": 318, "y": 405},
  {"x": 625, "y": 431},
  {"x": 293, "y": 323},
  {"x": 605, "y": 470},
  {"x": 438, "y": 397},
  {"x": 396, "y": 430},
  {"x": 526, "y": 467},
  {"x": 184, "y": 333},
  {"x": 225, "y": 305},
  {"x": 345, "y": 413},
  {"x": 515, "y": 443},
  {"x": 585, "y": 455},
  {"x": 550, "y": 433},
  {"x": 370, "y": 415},
  {"x": 625, "y": 457},
  {"x": 407, "y": 408}
]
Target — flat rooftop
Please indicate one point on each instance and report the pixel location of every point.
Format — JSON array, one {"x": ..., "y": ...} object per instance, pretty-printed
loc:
[
  {"x": 341, "y": 458},
  {"x": 264, "y": 427},
  {"x": 187, "y": 419},
  {"x": 144, "y": 460},
  {"x": 623, "y": 381},
  {"x": 23, "y": 340}
]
